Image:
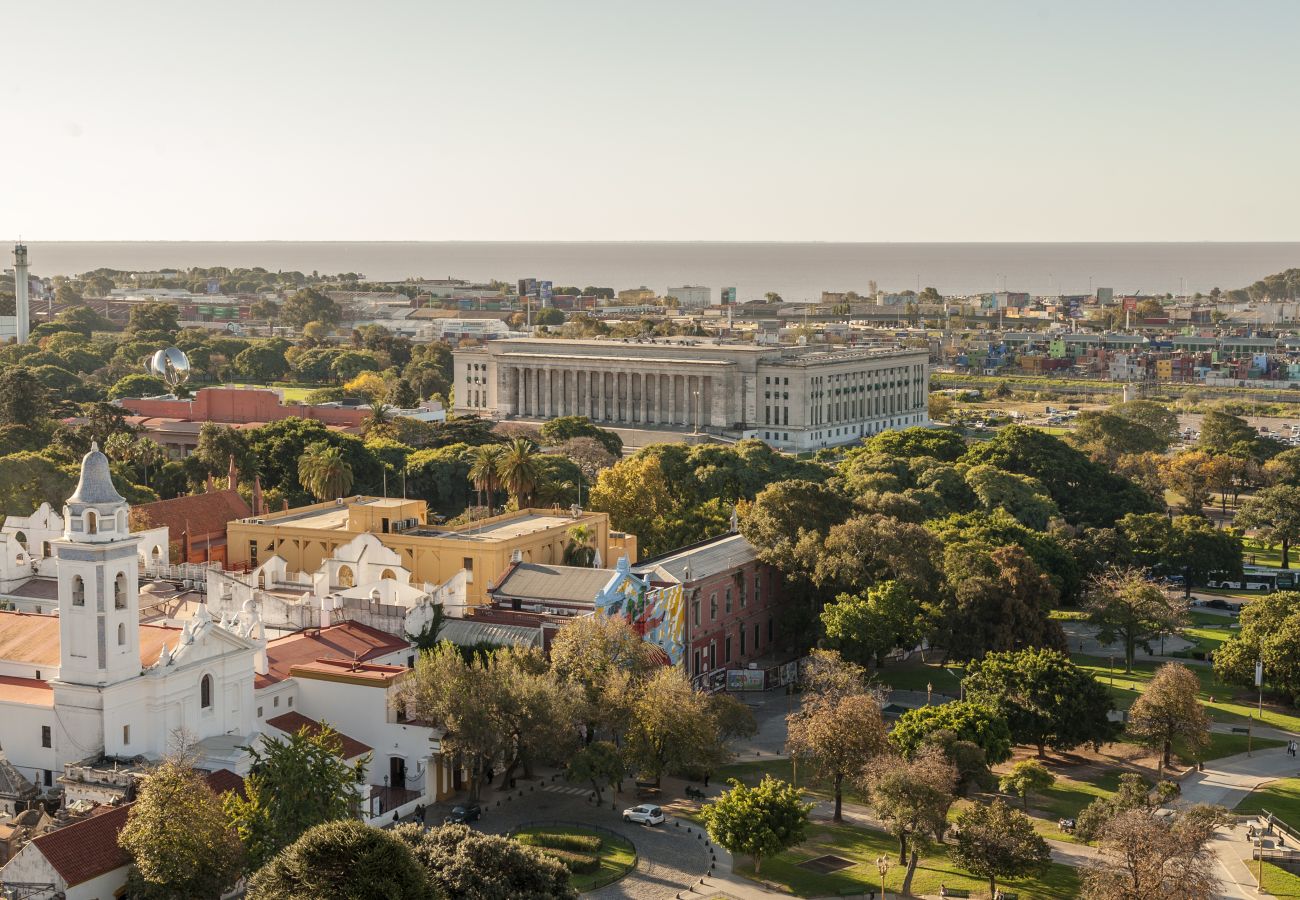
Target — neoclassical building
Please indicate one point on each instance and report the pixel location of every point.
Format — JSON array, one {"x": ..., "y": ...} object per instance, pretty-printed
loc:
[{"x": 795, "y": 398}]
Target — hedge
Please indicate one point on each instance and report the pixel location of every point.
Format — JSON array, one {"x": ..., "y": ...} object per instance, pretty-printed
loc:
[
  {"x": 579, "y": 843},
  {"x": 577, "y": 863}
]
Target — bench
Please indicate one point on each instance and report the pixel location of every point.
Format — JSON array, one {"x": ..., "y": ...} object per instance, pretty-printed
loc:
[
  {"x": 1237, "y": 729},
  {"x": 958, "y": 892}
]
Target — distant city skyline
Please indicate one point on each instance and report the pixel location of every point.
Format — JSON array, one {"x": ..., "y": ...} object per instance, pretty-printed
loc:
[{"x": 719, "y": 121}]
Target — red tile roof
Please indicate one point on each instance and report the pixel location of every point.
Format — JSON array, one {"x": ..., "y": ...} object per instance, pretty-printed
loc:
[
  {"x": 293, "y": 722},
  {"x": 200, "y": 514},
  {"x": 223, "y": 781},
  {"x": 34, "y": 639},
  {"x": 28, "y": 691},
  {"x": 347, "y": 640},
  {"x": 86, "y": 849}
]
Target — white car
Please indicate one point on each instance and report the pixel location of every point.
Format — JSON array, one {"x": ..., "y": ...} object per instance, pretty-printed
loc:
[{"x": 645, "y": 814}]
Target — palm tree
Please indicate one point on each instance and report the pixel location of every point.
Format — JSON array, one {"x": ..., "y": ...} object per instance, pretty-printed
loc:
[
  {"x": 380, "y": 420},
  {"x": 578, "y": 551},
  {"x": 323, "y": 471},
  {"x": 483, "y": 473},
  {"x": 518, "y": 470}
]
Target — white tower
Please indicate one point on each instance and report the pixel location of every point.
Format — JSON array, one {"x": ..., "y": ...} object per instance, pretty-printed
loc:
[
  {"x": 22, "y": 288},
  {"x": 99, "y": 584}
]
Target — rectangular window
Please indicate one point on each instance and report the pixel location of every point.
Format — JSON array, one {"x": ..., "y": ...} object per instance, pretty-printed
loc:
[
  {"x": 252, "y": 552},
  {"x": 126, "y": 735},
  {"x": 49, "y": 778},
  {"x": 259, "y": 712},
  {"x": 696, "y": 670},
  {"x": 275, "y": 701},
  {"x": 695, "y": 612},
  {"x": 769, "y": 631},
  {"x": 726, "y": 649},
  {"x": 713, "y": 607},
  {"x": 742, "y": 640},
  {"x": 46, "y": 737},
  {"x": 291, "y": 703},
  {"x": 468, "y": 564},
  {"x": 727, "y": 600},
  {"x": 755, "y": 637}
]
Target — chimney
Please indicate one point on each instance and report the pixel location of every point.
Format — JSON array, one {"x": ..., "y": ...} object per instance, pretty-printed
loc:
[
  {"x": 232, "y": 475},
  {"x": 257, "y": 495}
]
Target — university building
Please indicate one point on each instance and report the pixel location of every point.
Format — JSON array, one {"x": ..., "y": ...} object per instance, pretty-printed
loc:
[{"x": 795, "y": 398}]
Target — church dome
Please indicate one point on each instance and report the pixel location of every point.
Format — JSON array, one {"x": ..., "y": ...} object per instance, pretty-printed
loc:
[{"x": 95, "y": 486}]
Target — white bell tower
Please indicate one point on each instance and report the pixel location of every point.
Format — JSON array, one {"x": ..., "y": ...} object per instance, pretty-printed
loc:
[{"x": 99, "y": 582}]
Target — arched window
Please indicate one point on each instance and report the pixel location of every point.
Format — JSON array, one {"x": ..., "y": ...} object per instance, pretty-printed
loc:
[
  {"x": 387, "y": 575},
  {"x": 45, "y": 549},
  {"x": 156, "y": 555},
  {"x": 121, "y": 634},
  {"x": 119, "y": 591},
  {"x": 345, "y": 577},
  {"x": 92, "y": 522},
  {"x": 22, "y": 539},
  {"x": 78, "y": 591},
  {"x": 205, "y": 692}
]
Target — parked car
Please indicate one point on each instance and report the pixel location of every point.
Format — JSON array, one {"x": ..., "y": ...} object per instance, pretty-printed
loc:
[
  {"x": 463, "y": 815},
  {"x": 645, "y": 814}
]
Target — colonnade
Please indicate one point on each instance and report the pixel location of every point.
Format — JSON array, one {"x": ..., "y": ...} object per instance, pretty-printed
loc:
[{"x": 619, "y": 397}]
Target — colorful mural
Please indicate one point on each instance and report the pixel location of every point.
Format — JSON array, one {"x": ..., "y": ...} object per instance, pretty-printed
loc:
[{"x": 657, "y": 614}]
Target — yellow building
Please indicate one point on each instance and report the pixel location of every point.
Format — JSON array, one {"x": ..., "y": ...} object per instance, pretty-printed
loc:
[
  {"x": 306, "y": 536},
  {"x": 1165, "y": 369}
]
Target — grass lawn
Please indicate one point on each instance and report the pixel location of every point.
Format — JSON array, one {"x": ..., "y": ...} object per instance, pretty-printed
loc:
[
  {"x": 1281, "y": 797},
  {"x": 617, "y": 857},
  {"x": 862, "y": 846},
  {"x": 914, "y": 675},
  {"x": 1207, "y": 636},
  {"x": 1066, "y": 799},
  {"x": 751, "y": 773},
  {"x": 1277, "y": 881},
  {"x": 1231, "y": 704},
  {"x": 1258, "y": 553}
]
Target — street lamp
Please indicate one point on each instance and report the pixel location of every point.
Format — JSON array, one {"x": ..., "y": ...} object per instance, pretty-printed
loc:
[
  {"x": 929, "y": 692},
  {"x": 882, "y": 866}
]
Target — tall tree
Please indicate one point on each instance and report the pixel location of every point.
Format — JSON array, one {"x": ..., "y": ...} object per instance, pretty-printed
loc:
[
  {"x": 672, "y": 727},
  {"x": 178, "y": 838},
  {"x": 1026, "y": 777},
  {"x": 293, "y": 785},
  {"x": 517, "y": 469},
  {"x": 599, "y": 764},
  {"x": 836, "y": 736},
  {"x": 758, "y": 822},
  {"x": 965, "y": 720},
  {"x": 1046, "y": 699},
  {"x": 1274, "y": 514},
  {"x": 483, "y": 473},
  {"x": 995, "y": 841},
  {"x": 913, "y": 797},
  {"x": 1127, "y": 606},
  {"x": 345, "y": 860},
  {"x": 1270, "y": 634},
  {"x": 997, "y": 599},
  {"x": 864, "y": 628},
  {"x": 1168, "y": 711},
  {"x": 324, "y": 471},
  {"x": 23, "y": 399},
  {"x": 1151, "y": 855}
]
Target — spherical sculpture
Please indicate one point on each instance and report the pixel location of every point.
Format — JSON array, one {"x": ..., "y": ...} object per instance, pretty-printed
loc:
[{"x": 171, "y": 365}]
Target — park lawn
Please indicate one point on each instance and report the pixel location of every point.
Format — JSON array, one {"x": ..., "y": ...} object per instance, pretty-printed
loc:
[
  {"x": 1277, "y": 881},
  {"x": 1065, "y": 800},
  {"x": 752, "y": 772},
  {"x": 1231, "y": 704},
  {"x": 1207, "y": 637},
  {"x": 914, "y": 675},
  {"x": 1258, "y": 553},
  {"x": 617, "y": 857},
  {"x": 1281, "y": 798},
  {"x": 863, "y": 845}
]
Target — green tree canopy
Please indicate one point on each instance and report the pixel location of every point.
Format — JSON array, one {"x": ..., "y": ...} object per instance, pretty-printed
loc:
[
  {"x": 1168, "y": 711},
  {"x": 1270, "y": 633},
  {"x": 995, "y": 841},
  {"x": 758, "y": 822},
  {"x": 344, "y": 860},
  {"x": 468, "y": 865},
  {"x": 968, "y": 721},
  {"x": 1127, "y": 606}
]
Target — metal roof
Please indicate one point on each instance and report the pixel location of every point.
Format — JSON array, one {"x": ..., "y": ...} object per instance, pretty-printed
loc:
[
  {"x": 96, "y": 482},
  {"x": 467, "y": 633},
  {"x": 570, "y": 584},
  {"x": 702, "y": 560}
]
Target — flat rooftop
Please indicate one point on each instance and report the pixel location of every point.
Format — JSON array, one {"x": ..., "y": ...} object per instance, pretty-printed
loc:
[
  {"x": 330, "y": 518},
  {"x": 500, "y": 531}
]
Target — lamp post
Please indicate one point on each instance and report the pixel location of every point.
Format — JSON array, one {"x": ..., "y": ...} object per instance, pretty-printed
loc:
[
  {"x": 882, "y": 866},
  {"x": 929, "y": 692},
  {"x": 1112, "y": 670}
]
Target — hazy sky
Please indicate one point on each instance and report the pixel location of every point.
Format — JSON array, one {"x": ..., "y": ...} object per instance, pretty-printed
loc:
[{"x": 864, "y": 120}]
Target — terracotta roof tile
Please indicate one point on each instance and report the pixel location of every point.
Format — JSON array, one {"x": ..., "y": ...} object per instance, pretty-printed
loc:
[
  {"x": 223, "y": 781},
  {"x": 201, "y": 514},
  {"x": 347, "y": 640},
  {"x": 293, "y": 722},
  {"x": 86, "y": 849},
  {"x": 34, "y": 640},
  {"x": 28, "y": 691}
]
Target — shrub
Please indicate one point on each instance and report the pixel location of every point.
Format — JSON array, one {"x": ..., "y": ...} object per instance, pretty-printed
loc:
[
  {"x": 577, "y": 863},
  {"x": 578, "y": 843}
]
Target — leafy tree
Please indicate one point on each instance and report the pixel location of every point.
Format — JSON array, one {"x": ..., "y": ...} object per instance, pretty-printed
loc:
[
  {"x": 23, "y": 399},
  {"x": 912, "y": 797},
  {"x": 599, "y": 764},
  {"x": 323, "y": 471},
  {"x": 865, "y": 628},
  {"x": 1270, "y": 633},
  {"x": 483, "y": 472},
  {"x": 178, "y": 838},
  {"x": 517, "y": 466},
  {"x": 263, "y": 362},
  {"x": 997, "y": 599},
  {"x": 1221, "y": 432},
  {"x": 1106, "y": 436},
  {"x": 672, "y": 727},
  {"x": 1168, "y": 711},
  {"x": 869, "y": 549},
  {"x": 784, "y": 513},
  {"x": 1134, "y": 792},
  {"x": 154, "y": 317},
  {"x": 995, "y": 841},
  {"x": 564, "y": 428},
  {"x": 1045, "y": 698},
  {"x": 1150, "y": 854},
  {"x": 1051, "y": 552},
  {"x": 218, "y": 444},
  {"x": 836, "y": 735},
  {"x": 348, "y": 364},
  {"x": 1026, "y": 777},
  {"x": 369, "y": 386},
  {"x": 1156, "y": 417},
  {"x": 1127, "y": 606},
  {"x": 906, "y": 443},
  {"x": 28, "y": 479},
  {"x": 1188, "y": 546},
  {"x": 1274, "y": 514},
  {"x": 309, "y": 305},
  {"x": 966, "y": 720},
  {"x": 760, "y": 821},
  {"x": 293, "y": 785},
  {"x": 137, "y": 385},
  {"x": 403, "y": 394},
  {"x": 1086, "y": 492},
  {"x": 344, "y": 860},
  {"x": 463, "y": 864},
  {"x": 1021, "y": 496},
  {"x": 441, "y": 477}
]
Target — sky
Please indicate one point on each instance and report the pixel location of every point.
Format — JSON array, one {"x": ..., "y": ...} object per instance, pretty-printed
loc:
[{"x": 801, "y": 120}]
